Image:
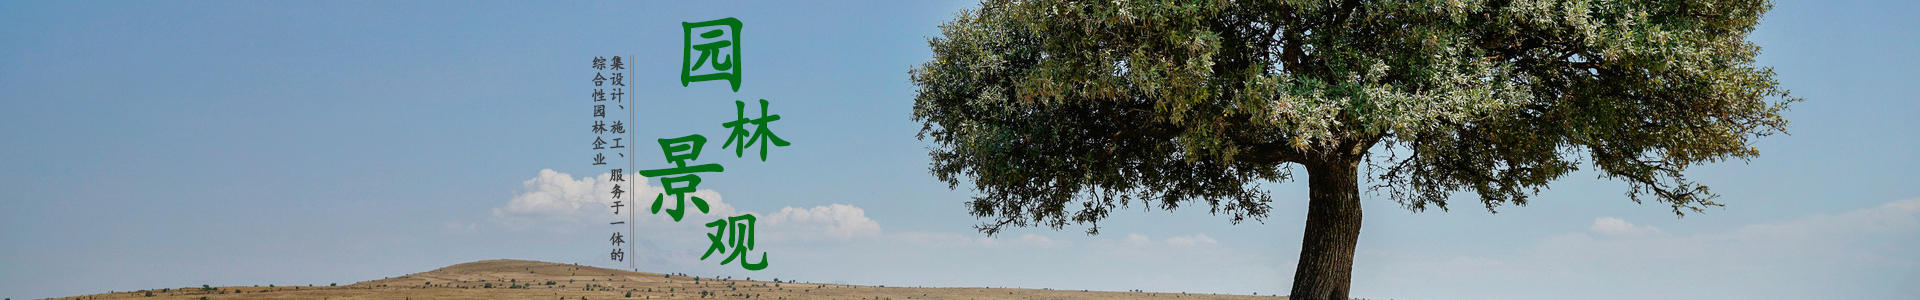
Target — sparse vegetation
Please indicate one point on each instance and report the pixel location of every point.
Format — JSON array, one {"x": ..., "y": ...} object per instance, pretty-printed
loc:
[{"x": 479, "y": 279}]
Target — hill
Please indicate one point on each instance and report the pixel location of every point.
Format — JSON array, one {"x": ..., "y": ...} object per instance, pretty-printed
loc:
[{"x": 521, "y": 279}]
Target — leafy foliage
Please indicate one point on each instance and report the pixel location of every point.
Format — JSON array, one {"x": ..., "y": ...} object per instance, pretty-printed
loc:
[{"x": 1046, "y": 105}]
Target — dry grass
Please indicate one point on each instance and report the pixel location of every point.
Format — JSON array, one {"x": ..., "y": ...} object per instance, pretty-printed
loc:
[{"x": 520, "y": 279}]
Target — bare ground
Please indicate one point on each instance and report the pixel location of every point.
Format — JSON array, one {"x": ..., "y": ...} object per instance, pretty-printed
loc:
[{"x": 520, "y": 279}]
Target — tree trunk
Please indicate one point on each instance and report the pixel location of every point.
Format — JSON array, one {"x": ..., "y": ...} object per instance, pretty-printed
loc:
[{"x": 1325, "y": 269}]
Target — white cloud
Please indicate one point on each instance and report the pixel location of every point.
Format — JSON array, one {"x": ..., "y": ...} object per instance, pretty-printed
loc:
[
  {"x": 1136, "y": 240},
  {"x": 557, "y": 201},
  {"x": 1189, "y": 262},
  {"x": 1610, "y": 226},
  {"x": 1850, "y": 255},
  {"x": 1037, "y": 240},
  {"x": 1195, "y": 240},
  {"x": 561, "y": 203},
  {"x": 837, "y": 221},
  {"x": 553, "y": 194},
  {"x": 941, "y": 240}
]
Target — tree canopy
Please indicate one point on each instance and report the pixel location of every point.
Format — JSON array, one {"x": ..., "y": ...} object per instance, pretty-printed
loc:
[{"x": 1058, "y": 112}]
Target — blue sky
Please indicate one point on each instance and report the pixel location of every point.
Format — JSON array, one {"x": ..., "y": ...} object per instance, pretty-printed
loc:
[{"x": 165, "y": 144}]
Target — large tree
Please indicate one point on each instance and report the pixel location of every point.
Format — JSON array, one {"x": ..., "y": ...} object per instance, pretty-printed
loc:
[{"x": 1059, "y": 112}]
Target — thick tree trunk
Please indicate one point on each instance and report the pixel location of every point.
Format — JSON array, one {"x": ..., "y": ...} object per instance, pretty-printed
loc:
[{"x": 1333, "y": 228}]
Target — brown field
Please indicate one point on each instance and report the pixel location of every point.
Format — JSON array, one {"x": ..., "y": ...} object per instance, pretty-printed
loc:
[{"x": 520, "y": 279}]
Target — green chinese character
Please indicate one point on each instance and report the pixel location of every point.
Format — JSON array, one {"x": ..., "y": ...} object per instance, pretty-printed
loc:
[
  {"x": 680, "y": 179},
  {"x": 740, "y": 140},
  {"x": 718, "y": 55},
  {"x": 735, "y": 233}
]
